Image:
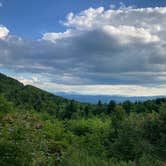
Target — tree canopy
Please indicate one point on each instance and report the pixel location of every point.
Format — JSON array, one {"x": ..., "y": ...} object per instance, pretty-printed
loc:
[{"x": 39, "y": 128}]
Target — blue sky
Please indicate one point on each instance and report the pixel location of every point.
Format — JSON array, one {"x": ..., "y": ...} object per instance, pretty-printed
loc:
[
  {"x": 90, "y": 47},
  {"x": 31, "y": 18}
]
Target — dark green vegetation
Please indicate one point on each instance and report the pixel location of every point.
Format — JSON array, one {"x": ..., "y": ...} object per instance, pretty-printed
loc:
[{"x": 40, "y": 129}]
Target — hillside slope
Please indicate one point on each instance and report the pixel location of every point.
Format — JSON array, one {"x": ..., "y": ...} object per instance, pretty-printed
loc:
[
  {"x": 8, "y": 84},
  {"x": 31, "y": 97}
]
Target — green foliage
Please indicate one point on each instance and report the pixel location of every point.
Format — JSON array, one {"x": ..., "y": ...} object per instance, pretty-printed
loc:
[
  {"x": 111, "y": 106},
  {"x": 40, "y": 129},
  {"x": 127, "y": 105},
  {"x": 8, "y": 84},
  {"x": 5, "y": 106}
]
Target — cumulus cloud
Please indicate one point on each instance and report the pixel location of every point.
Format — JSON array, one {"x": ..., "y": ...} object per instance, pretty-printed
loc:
[
  {"x": 126, "y": 46},
  {"x": 53, "y": 36},
  {"x": 3, "y": 32}
]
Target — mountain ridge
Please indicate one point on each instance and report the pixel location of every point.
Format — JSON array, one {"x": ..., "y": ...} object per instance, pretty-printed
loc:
[{"x": 105, "y": 98}]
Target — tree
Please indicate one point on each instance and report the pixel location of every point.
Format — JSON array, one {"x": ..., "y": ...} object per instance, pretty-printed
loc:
[
  {"x": 4, "y": 105},
  {"x": 127, "y": 105},
  {"x": 111, "y": 107},
  {"x": 70, "y": 109},
  {"x": 86, "y": 111},
  {"x": 99, "y": 108}
]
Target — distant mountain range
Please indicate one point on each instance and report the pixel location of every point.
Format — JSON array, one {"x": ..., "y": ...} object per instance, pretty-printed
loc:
[
  {"x": 30, "y": 95},
  {"x": 104, "y": 98}
]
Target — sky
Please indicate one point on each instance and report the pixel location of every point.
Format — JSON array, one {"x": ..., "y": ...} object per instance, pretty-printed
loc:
[{"x": 91, "y": 47}]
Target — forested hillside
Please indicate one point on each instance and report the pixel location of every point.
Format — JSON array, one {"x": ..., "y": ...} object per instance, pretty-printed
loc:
[{"x": 40, "y": 129}]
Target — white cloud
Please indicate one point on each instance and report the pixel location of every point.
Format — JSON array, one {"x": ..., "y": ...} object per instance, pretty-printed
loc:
[
  {"x": 28, "y": 81},
  {"x": 3, "y": 32},
  {"x": 53, "y": 36},
  {"x": 1, "y": 4},
  {"x": 126, "y": 34}
]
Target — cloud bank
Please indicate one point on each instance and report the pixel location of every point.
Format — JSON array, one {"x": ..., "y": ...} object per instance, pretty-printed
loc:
[{"x": 119, "y": 47}]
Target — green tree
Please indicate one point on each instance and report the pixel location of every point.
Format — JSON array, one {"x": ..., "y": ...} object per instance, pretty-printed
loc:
[
  {"x": 127, "y": 105},
  {"x": 111, "y": 106}
]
